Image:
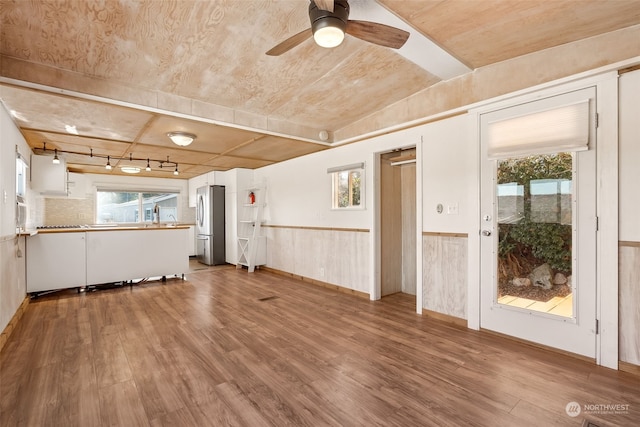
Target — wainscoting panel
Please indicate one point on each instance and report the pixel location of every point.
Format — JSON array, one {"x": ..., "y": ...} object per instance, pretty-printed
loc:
[
  {"x": 13, "y": 286},
  {"x": 336, "y": 256},
  {"x": 445, "y": 274},
  {"x": 629, "y": 302}
]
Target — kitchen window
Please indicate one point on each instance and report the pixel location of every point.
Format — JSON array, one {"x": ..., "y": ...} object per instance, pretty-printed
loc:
[{"x": 125, "y": 206}]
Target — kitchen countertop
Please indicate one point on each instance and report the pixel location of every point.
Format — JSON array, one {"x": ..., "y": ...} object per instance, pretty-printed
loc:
[{"x": 109, "y": 228}]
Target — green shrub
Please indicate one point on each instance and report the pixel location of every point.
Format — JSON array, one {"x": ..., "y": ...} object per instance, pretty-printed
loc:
[{"x": 539, "y": 242}]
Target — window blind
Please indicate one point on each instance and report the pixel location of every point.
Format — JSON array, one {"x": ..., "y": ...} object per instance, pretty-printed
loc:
[
  {"x": 346, "y": 167},
  {"x": 559, "y": 129}
]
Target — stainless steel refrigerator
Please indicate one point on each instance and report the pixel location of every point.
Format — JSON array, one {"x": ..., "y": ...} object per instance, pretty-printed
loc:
[{"x": 210, "y": 225}]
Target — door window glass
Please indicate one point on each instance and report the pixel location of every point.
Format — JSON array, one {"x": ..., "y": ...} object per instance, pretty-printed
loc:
[{"x": 535, "y": 233}]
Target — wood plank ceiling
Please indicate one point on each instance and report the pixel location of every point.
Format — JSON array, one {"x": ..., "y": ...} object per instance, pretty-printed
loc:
[{"x": 124, "y": 73}]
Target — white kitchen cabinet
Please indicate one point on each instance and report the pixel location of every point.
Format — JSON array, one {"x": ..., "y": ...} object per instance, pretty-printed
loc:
[
  {"x": 48, "y": 178},
  {"x": 56, "y": 261},
  {"x": 191, "y": 241},
  {"x": 120, "y": 255},
  {"x": 77, "y": 186}
]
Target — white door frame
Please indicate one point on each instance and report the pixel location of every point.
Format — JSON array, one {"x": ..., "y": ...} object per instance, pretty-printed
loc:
[{"x": 607, "y": 208}]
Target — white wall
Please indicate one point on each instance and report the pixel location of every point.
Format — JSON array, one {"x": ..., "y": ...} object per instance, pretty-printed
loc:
[
  {"x": 10, "y": 138},
  {"x": 299, "y": 195},
  {"x": 299, "y": 190},
  {"x": 12, "y": 266},
  {"x": 629, "y": 157},
  {"x": 449, "y": 175}
]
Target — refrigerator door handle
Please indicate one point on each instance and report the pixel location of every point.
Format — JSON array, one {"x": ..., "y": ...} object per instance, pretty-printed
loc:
[
  {"x": 203, "y": 238},
  {"x": 200, "y": 211}
]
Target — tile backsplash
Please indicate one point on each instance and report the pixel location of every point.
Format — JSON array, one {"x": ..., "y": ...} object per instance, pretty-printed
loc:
[{"x": 61, "y": 211}]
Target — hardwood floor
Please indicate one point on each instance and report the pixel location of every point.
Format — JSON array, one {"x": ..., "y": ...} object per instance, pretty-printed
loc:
[{"x": 227, "y": 348}]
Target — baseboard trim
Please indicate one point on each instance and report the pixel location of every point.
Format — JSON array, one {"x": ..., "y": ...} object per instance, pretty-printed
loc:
[
  {"x": 8, "y": 330},
  {"x": 458, "y": 321},
  {"x": 629, "y": 367},
  {"x": 317, "y": 282}
]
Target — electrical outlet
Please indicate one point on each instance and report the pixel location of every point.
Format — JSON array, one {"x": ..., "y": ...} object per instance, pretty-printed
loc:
[
  {"x": 321, "y": 271},
  {"x": 452, "y": 209}
]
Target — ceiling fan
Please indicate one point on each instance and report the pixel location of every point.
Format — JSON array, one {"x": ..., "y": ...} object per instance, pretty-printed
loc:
[{"x": 330, "y": 21}]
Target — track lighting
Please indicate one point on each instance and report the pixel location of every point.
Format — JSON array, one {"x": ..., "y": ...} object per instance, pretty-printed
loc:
[{"x": 131, "y": 163}]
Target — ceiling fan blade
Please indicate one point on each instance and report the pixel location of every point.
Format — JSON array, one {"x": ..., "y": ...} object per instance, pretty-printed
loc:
[
  {"x": 324, "y": 5},
  {"x": 290, "y": 43},
  {"x": 379, "y": 34}
]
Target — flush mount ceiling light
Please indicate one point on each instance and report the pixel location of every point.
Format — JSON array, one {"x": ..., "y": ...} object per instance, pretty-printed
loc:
[
  {"x": 130, "y": 169},
  {"x": 328, "y": 27},
  {"x": 181, "y": 138},
  {"x": 71, "y": 129}
]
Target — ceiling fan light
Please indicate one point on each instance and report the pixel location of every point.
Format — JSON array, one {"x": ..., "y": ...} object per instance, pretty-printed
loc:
[
  {"x": 328, "y": 36},
  {"x": 181, "y": 138},
  {"x": 328, "y": 27}
]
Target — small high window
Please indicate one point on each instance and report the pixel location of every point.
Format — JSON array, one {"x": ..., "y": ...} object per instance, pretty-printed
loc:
[{"x": 347, "y": 186}]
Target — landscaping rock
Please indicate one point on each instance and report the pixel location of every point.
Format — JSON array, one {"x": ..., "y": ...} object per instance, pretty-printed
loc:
[
  {"x": 559, "y": 279},
  {"x": 541, "y": 276},
  {"x": 521, "y": 282}
]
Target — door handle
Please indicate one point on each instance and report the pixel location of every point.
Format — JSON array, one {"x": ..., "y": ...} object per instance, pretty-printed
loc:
[{"x": 486, "y": 232}]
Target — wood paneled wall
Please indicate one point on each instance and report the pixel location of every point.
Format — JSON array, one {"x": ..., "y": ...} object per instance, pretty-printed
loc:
[
  {"x": 629, "y": 302},
  {"x": 445, "y": 273},
  {"x": 336, "y": 256},
  {"x": 12, "y": 277}
]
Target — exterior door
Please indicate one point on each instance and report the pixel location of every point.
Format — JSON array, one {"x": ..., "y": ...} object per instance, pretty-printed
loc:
[{"x": 538, "y": 225}]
